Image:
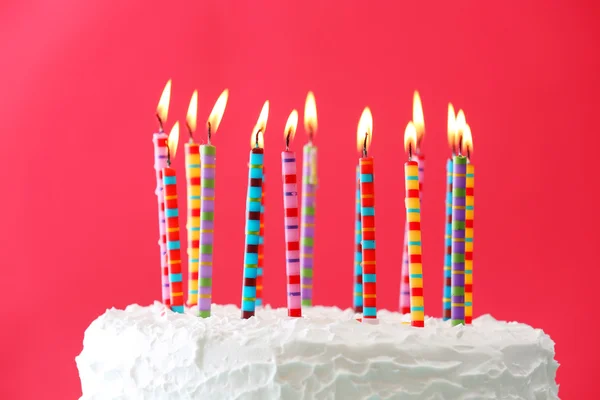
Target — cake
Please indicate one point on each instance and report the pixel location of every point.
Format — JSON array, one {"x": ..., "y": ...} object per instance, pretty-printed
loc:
[{"x": 149, "y": 352}]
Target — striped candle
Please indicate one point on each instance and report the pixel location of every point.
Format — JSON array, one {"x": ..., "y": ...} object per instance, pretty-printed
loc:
[
  {"x": 253, "y": 206},
  {"x": 469, "y": 218},
  {"x": 415, "y": 268},
  {"x": 307, "y": 229},
  {"x": 292, "y": 244},
  {"x": 208, "y": 154},
  {"x": 448, "y": 243},
  {"x": 160, "y": 161},
  {"x": 192, "y": 174},
  {"x": 173, "y": 244},
  {"x": 367, "y": 209},
  {"x": 358, "y": 282},
  {"x": 261, "y": 247},
  {"x": 459, "y": 172}
]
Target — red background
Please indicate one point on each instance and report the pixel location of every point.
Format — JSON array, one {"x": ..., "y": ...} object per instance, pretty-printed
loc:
[{"x": 80, "y": 84}]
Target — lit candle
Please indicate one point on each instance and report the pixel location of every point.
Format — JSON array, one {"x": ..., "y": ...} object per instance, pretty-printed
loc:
[
  {"x": 367, "y": 209},
  {"x": 459, "y": 173},
  {"x": 192, "y": 175},
  {"x": 358, "y": 282},
  {"x": 419, "y": 124},
  {"x": 467, "y": 148},
  {"x": 447, "y": 310},
  {"x": 309, "y": 192},
  {"x": 255, "y": 173},
  {"x": 413, "y": 218},
  {"x": 172, "y": 224},
  {"x": 208, "y": 159},
  {"x": 160, "y": 161},
  {"x": 261, "y": 247},
  {"x": 291, "y": 221}
]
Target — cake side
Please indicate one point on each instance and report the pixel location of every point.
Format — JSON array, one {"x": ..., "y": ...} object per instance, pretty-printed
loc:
[{"x": 152, "y": 353}]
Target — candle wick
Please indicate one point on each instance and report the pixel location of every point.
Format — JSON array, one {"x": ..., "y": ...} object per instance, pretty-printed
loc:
[
  {"x": 190, "y": 132},
  {"x": 460, "y": 145},
  {"x": 410, "y": 151},
  {"x": 168, "y": 156},
  {"x": 365, "y": 144},
  {"x": 257, "y": 136},
  {"x": 287, "y": 140},
  {"x": 160, "y": 124},
  {"x": 208, "y": 131},
  {"x": 311, "y": 135}
]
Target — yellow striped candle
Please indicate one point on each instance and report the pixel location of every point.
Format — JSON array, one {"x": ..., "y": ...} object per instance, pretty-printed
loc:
[{"x": 469, "y": 217}]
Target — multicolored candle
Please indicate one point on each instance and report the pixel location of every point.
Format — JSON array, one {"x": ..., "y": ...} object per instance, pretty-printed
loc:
[
  {"x": 291, "y": 220},
  {"x": 309, "y": 192},
  {"x": 419, "y": 123},
  {"x": 253, "y": 205},
  {"x": 172, "y": 224},
  {"x": 413, "y": 218},
  {"x": 367, "y": 210},
  {"x": 208, "y": 161},
  {"x": 261, "y": 247},
  {"x": 192, "y": 175},
  {"x": 358, "y": 282},
  {"x": 467, "y": 143},
  {"x": 447, "y": 312},
  {"x": 160, "y": 161}
]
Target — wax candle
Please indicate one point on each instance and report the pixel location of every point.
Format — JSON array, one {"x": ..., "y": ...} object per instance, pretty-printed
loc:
[
  {"x": 358, "y": 282},
  {"x": 192, "y": 175},
  {"x": 261, "y": 247},
  {"x": 447, "y": 312},
  {"x": 160, "y": 161},
  {"x": 413, "y": 217},
  {"x": 467, "y": 143},
  {"x": 172, "y": 224},
  {"x": 367, "y": 210},
  {"x": 291, "y": 220},
  {"x": 208, "y": 161},
  {"x": 309, "y": 192},
  {"x": 459, "y": 173},
  {"x": 253, "y": 205},
  {"x": 419, "y": 124}
]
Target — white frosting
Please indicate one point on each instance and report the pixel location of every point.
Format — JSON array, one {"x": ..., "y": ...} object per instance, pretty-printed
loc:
[{"x": 147, "y": 353}]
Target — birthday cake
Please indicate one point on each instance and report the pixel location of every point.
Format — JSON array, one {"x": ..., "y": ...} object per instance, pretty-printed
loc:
[{"x": 153, "y": 353}]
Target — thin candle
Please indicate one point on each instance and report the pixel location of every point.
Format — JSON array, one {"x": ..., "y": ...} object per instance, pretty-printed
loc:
[
  {"x": 358, "y": 282},
  {"x": 192, "y": 175},
  {"x": 413, "y": 218},
  {"x": 255, "y": 172},
  {"x": 160, "y": 161},
  {"x": 309, "y": 192},
  {"x": 367, "y": 209},
  {"x": 261, "y": 246},
  {"x": 447, "y": 310},
  {"x": 172, "y": 224},
  {"x": 208, "y": 161},
  {"x": 291, "y": 221},
  {"x": 467, "y": 143}
]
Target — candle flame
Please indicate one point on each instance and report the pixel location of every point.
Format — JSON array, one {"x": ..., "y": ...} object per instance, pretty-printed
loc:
[
  {"x": 418, "y": 119},
  {"x": 173, "y": 140},
  {"x": 467, "y": 141},
  {"x": 365, "y": 129},
  {"x": 410, "y": 138},
  {"x": 451, "y": 126},
  {"x": 190, "y": 118},
  {"x": 310, "y": 115},
  {"x": 290, "y": 127},
  {"x": 214, "y": 120},
  {"x": 257, "y": 139},
  {"x": 162, "y": 109},
  {"x": 461, "y": 121}
]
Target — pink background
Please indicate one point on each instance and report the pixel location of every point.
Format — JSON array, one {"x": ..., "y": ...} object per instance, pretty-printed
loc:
[{"x": 80, "y": 84}]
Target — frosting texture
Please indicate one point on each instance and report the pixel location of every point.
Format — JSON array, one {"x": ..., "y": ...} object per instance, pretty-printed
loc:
[{"x": 153, "y": 353}]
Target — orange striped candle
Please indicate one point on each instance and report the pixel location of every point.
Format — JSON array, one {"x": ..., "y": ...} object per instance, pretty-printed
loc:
[{"x": 469, "y": 219}]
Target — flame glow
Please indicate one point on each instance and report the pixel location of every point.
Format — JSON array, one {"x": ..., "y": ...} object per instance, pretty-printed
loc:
[
  {"x": 365, "y": 128},
  {"x": 467, "y": 141},
  {"x": 214, "y": 119},
  {"x": 190, "y": 118},
  {"x": 310, "y": 115},
  {"x": 290, "y": 126},
  {"x": 173, "y": 140},
  {"x": 162, "y": 109},
  {"x": 410, "y": 138},
  {"x": 260, "y": 127},
  {"x": 461, "y": 122},
  {"x": 418, "y": 119}
]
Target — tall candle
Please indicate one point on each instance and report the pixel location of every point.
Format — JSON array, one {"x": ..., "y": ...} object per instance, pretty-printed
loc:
[
  {"x": 160, "y": 161},
  {"x": 367, "y": 210},
  {"x": 309, "y": 192},
  {"x": 413, "y": 218},
  {"x": 208, "y": 161},
  {"x": 172, "y": 224},
  {"x": 469, "y": 219},
  {"x": 447, "y": 311},
  {"x": 192, "y": 175},
  {"x": 358, "y": 282},
  {"x": 253, "y": 205},
  {"x": 261, "y": 247},
  {"x": 291, "y": 220}
]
